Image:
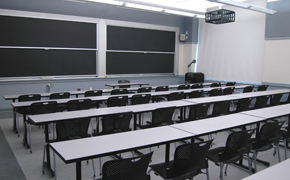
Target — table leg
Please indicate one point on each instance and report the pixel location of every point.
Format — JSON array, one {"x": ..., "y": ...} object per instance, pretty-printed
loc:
[
  {"x": 135, "y": 121},
  {"x": 167, "y": 152},
  {"x": 25, "y": 142},
  {"x": 47, "y": 164},
  {"x": 78, "y": 170}
]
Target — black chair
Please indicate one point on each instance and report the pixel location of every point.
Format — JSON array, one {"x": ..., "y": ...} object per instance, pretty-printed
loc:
[
  {"x": 189, "y": 160},
  {"x": 243, "y": 104},
  {"x": 115, "y": 123},
  {"x": 124, "y": 81},
  {"x": 199, "y": 111},
  {"x": 127, "y": 169},
  {"x": 144, "y": 89},
  {"x": 61, "y": 95},
  {"x": 117, "y": 101},
  {"x": 160, "y": 117},
  {"x": 119, "y": 91},
  {"x": 140, "y": 99},
  {"x": 262, "y": 88},
  {"x": 228, "y": 90},
  {"x": 221, "y": 108},
  {"x": 262, "y": 101},
  {"x": 184, "y": 86},
  {"x": 43, "y": 107},
  {"x": 248, "y": 89},
  {"x": 195, "y": 94},
  {"x": 160, "y": 98},
  {"x": 78, "y": 104},
  {"x": 275, "y": 99},
  {"x": 236, "y": 146},
  {"x": 175, "y": 96},
  {"x": 268, "y": 138},
  {"x": 196, "y": 86},
  {"x": 284, "y": 136},
  {"x": 231, "y": 84},
  {"x": 93, "y": 93},
  {"x": 215, "y": 92},
  {"x": 215, "y": 85}
]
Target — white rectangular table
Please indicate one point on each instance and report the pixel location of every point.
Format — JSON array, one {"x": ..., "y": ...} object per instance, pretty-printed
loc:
[
  {"x": 126, "y": 84},
  {"x": 75, "y": 151},
  {"x": 261, "y": 93},
  {"x": 278, "y": 171}
]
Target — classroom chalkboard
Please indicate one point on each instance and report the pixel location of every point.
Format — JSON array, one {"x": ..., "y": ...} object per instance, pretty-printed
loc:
[
  {"x": 39, "y": 62},
  {"x": 34, "y": 32},
  {"x": 136, "y": 39},
  {"x": 139, "y": 63}
]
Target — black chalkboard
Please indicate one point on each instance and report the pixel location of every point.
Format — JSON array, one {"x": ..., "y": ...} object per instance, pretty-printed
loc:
[
  {"x": 33, "y": 32},
  {"x": 136, "y": 39},
  {"x": 139, "y": 63},
  {"x": 38, "y": 62}
]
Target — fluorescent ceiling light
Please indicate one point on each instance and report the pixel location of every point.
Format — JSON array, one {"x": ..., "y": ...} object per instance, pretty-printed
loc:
[
  {"x": 139, "y": 6},
  {"x": 200, "y": 16},
  {"x": 260, "y": 9},
  {"x": 232, "y": 3},
  {"x": 273, "y": 0},
  {"x": 179, "y": 13},
  {"x": 112, "y": 2}
]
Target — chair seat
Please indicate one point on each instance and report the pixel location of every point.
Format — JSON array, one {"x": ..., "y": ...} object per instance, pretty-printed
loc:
[
  {"x": 160, "y": 169},
  {"x": 213, "y": 155}
]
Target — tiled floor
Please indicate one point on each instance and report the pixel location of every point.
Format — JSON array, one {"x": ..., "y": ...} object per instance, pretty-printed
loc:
[{"x": 31, "y": 164}]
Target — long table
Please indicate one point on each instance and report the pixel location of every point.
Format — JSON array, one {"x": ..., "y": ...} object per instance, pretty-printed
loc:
[{"x": 75, "y": 151}]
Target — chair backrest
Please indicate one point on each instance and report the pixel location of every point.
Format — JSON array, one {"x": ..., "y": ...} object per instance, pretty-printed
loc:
[
  {"x": 275, "y": 100},
  {"x": 161, "y": 88},
  {"x": 78, "y": 104},
  {"x": 215, "y": 85},
  {"x": 262, "y": 88},
  {"x": 29, "y": 97},
  {"x": 231, "y": 83},
  {"x": 140, "y": 99},
  {"x": 198, "y": 111},
  {"x": 228, "y": 90},
  {"x": 119, "y": 91},
  {"x": 221, "y": 108},
  {"x": 248, "y": 89},
  {"x": 129, "y": 169},
  {"x": 43, "y": 107},
  {"x": 196, "y": 86},
  {"x": 117, "y": 101},
  {"x": 189, "y": 158},
  {"x": 61, "y": 95},
  {"x": 262, "y": 101},
  {"x": 144, "y": 89},
  {"x": 215, "y": 92},
  {"x": 243, "y": 104},
  {"x": 184, "y": 86},
  {"x": 116, "y": 123},
  {"x": 237, "y": 144},
  {"x": 124, "y": 81},
  {"x": 93, "y": 93},
  {"x": 72, "y": 129},
  {"x": 175, "y": 96},
  {"x": 195, "y": 94},
  {"x": 162, "y": 116},
  {"x": 268, "y": 134}
]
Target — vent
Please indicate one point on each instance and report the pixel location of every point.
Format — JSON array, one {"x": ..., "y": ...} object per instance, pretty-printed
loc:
[{"x": 220, "y": 16}]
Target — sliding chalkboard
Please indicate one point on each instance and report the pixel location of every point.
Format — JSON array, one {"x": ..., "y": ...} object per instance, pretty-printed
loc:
[
  {"x": 136, "y": 39},
  {"x": 139, "y": 63},
  {"x": 34, "y": 32},
  {"x": 38, "y": 62}
]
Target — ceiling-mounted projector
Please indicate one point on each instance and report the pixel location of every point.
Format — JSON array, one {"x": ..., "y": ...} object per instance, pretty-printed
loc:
[{"x": 220, "y": 16}]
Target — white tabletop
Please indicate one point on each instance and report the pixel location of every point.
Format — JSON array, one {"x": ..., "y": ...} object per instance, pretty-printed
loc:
[
  {"x": 270, "y": 112},
  {"x": 211, "y": 99},
  {"x": 51, "y": 117},
  {"x": 215, "y": 124},
  {"x": 278, "y": 171},
  {"x": 261, "y": 93},
  {"x": 73, "y": 150},
  {"x": 126, "y": 84}
]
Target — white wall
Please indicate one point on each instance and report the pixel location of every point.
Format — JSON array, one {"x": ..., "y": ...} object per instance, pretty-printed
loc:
[
  {"x": 187, "y": 53},
  {"x": 277, "y": 62},
  {"x": 234, "y": 51}
]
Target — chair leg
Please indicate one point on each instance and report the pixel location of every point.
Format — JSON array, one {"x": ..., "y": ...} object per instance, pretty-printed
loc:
[
  {"x": 278, "y": 149},
  {"x": 94, "y": 175},
  {"x": 207, "y": 174},
  {"x": 255, "y": 160},
  {"x": 17, "y": 123},
  {"x": 226, "y": 169},
  {"x": 100, "y": 163},
  {"x": 285, "y": 148},
  {"x": 43, "y": 159},
  {"x": 221, "y": 171},
  {"x": 249, "y": 164}
]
